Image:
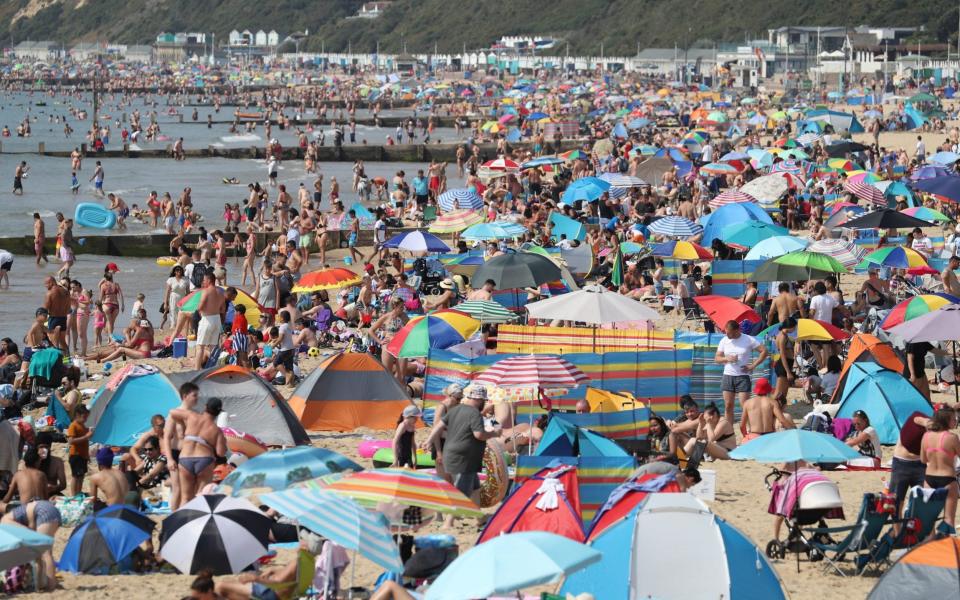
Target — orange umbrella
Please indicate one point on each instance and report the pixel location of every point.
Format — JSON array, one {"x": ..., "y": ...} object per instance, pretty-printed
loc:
[{"x": 326, "y": 279}]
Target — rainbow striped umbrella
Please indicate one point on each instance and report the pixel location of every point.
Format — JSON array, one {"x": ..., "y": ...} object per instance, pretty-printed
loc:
[
  {"x": 912, "y": 308},
  {"x": 457, "y": 220},
  {"x": 405, "y": 486},
  {"x": 326, "y": 279},
  {"x": 440, "y": 329},
  {"x": 574, "y": 155},
  {"x": 898, "y": 257},
  {"x": 926, "y": 214},
  {"x": 191, "y": 301},
  {"x": 731, "y": 196},
  {"x": 534, "y": 370},
  {"x": 681, "y": 250},
  {"x": 810, "y": 330}
]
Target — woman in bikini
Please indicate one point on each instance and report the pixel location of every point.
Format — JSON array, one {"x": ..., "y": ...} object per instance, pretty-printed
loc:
[
  {"x": 139, "y": 347},
  {"x": 250, "y": 256},
  {"x": 938, "y": 450},
  {"x": 203, "y": 444},
  {"x": 112, "y": 298},
  {"x": 388, "y": 325}
]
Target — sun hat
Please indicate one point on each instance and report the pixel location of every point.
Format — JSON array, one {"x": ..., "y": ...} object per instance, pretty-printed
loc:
[
  {"x": 477, "y": 392},
  {"x": 762, "y": 387},
  {"x": 447, "y": 284},
  {"x": 411, "y": 411}
]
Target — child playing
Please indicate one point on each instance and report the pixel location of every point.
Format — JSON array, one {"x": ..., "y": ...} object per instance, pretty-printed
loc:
[
  {"x": 99, "y": 322},
  {"x": 239, "y": 341},
  {"x": 78, "y": 436},
  {"x": 74, "y": 183},
  {"x": 403, "y": 442},
  {"x": 137, "y": 306}
]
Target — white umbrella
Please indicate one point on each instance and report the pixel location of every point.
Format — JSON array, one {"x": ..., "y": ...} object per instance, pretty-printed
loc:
[
  {"x": 938, "y": 326},
  {"x": 593, "y": 305},
  {"x": 766, "y": 189}
]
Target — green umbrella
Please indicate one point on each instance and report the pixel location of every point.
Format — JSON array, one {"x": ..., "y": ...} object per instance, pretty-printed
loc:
[
  {"x": 797, "y": 266},
  {"x": 486, "y": 311},
  {"x": 750, "y": 233}
]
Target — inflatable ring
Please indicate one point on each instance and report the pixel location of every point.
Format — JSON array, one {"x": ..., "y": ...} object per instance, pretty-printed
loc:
[
  {"x": 244, "y": 443},
  {"x": 368, "y": 448},
  {"x": 384, "y": 458},
  {"x": 493, "y": 489},
  {"x": 166, "y": 261}
]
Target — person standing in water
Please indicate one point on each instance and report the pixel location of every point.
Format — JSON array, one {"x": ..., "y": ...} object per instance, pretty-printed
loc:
[
  {"x": 97, "y": 179},
  {"x": 39, "y": 237},
  {"x": 19, "y": 174}
]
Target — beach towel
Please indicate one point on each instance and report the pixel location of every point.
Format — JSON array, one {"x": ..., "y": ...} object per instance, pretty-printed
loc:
[
  {"x": 43, "y": 362},
  {"x": 129, "y": 371}
]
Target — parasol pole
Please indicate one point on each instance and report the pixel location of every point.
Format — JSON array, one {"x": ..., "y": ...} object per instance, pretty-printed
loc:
[{"x": 956, "y": 388}]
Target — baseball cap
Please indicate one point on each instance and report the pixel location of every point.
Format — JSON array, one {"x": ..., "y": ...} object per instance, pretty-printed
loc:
[
  {"x": 112, "y": 267},
  {"x": 762, "y": 387},
  {"x": 411, "y": 411}
]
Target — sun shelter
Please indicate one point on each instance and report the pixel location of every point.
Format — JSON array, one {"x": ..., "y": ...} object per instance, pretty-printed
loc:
[
  {"x": 866, "y": 347},
  {"x": 548, "y": 501},
  {"x": 254, "y": 406},
  {"x": 933, "y": 567},
  {"x": 885, "y": 396},
  {"x": 122, "y": 408},
  {"x": 347, "y": 391}
]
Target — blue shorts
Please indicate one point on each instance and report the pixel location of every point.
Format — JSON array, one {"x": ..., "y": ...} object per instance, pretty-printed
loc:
[
  {"x": 98, "y": 185},
  {"x": 258, "y": 591}
]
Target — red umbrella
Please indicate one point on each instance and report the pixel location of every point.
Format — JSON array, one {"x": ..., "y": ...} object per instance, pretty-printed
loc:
[
  {"x": 722, "y": 310},
  {"x": 922, "y": 270},
  {"x": 535, "y": 370},
  {"x": 501, "y": 164}
]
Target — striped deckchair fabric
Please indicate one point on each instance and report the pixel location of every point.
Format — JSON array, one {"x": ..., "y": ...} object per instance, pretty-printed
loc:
[
  {"x": 535, "y": 339},
  {"x": 706, "y": 373},
  {"x": 657, "y": 378},
  {"x": 730, "y": 277},
  {"x": 621, "y": 425}
]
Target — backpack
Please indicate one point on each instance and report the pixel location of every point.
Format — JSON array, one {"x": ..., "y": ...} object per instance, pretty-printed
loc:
[
  {"x": 196, "y": 276},
  {"x": 819, "y": 422}
]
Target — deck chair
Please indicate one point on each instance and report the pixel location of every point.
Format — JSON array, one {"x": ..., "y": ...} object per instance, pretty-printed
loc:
[
  {"x": 860, "y": 538},
  {"x": 692, "y": 312},
  {"x": 298, "y": 588},
  {"x": 918, "y": 522},
  {"x": 429, "y": 214}
]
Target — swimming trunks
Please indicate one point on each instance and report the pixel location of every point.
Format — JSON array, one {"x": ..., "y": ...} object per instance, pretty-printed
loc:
[
  {"x": 208, "y": 332},
  {"x": 44, "y": 512},
  {"x": 54, "y": 322}
]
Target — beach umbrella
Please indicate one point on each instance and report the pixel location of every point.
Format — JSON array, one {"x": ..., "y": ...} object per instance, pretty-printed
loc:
[
  {"x": 417, "y": 241},
  {"x": 619, "y": 180},
  {"x": 719, "y": 168},
  {"x": 729, "y": 564},
  {"x": 498, "y": 230},
  {"x": 914, "y": 307},
  {"x": 440, "y": 329},
  {"x": 722, "y": 310},
  {"x": 104, "y": 539},
  {"x": 730, "y": 196},
  {"x": 898, "y": 257},
  {"x": 808, "y": 139},
  {"x": 587, "y": 189},
  {"x": 845, "y": 252},
  {"x": 865, "y": 191},
  {"x": 932, "y": 566},
  {"x": 460, "y": 199},
  {"x": 811, "y": 260},
  {"x": 680, "y": 250},
  {"x": 542, "y": 161},
  {"x": 940, "y": 325},
  {"x": 501, "y": 164},
  {"x": 946, "y": 187},
  {"x": 407, "y": 487},
  {"x": 19, "y": 545},
  {"x": 927, "y": 214},
  {"x": 885, "y": 219},
  {"x": 809, "y": 330},
  {"x": 768, "y": 188},
  {"x": 511, "y": 562},
  {"x": 791, "y": 445},
  {"x": 534, "y": 371},
  {"x": 457, "y": 220},
  {"x": 592, "y": 304},
  {"x": 775, "y": 246},
  {"x": 944, "y": 158},
  {"x": 518, "y": 270},
  {"x": 279, "y": 469},
  {"x": 340, "y": 520},
  {"x": 573, "y": 155},
  {"x": 326, "y": 279},
  {"x": 191, "y": 301},
  {"x": 796, "y": 266},
  {"x": 929, "y": 172},
  {"x": 216, "y": 532},
  {"x": 674, "y": 226},
  {"x": 730, "y": 214},
  {"x": 751, "y": 233},
  {"x": 486, "y": 311}
]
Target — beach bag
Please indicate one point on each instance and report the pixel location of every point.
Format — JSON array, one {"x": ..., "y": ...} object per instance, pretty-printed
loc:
[
  {"x": 819, "y": 422},
  {"x": 73, "y": 510},
  {"x": 16, "y": 579}
]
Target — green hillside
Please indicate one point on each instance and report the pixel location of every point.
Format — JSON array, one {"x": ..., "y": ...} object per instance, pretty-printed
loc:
[{"x": 450, "y": 25}]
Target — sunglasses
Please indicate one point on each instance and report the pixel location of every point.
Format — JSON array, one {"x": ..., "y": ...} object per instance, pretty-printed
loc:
[{"x": 151, "y": 449}]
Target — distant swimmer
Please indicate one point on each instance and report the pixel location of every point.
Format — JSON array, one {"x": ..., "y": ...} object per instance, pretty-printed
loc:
[{"x": 231, "y": 180}]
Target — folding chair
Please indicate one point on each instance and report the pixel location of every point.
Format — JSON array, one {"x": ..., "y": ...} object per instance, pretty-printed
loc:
[
  {"x": 917, "y": 524},
  {"x": 692, "y": 312},
  {"x": 860, "y": 538}
]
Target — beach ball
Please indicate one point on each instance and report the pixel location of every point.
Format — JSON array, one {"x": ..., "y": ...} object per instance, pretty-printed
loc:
[
  {"x": 107, "y": 367},
  {"x": 313, "y": 352}
]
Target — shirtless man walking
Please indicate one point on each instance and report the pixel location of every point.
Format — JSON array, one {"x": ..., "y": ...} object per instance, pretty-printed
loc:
[
  {"x": 786, "y": 304},
  {"x": 212, "y": 306},
  {"x": 761, "y": 413},
  {"x": 172, "y": 440},
  {"x": 39, "y": 237}
]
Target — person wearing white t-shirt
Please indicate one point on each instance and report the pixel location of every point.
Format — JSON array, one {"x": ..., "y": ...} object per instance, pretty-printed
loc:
[
  {"x": 6, "y": 263},
  {"x": 922, "y": 243},
  {"x": 821, "y": 309},
  {"x": 864, "y": 437},
  {"x": 379, "y": 236},
  {"x": 734, "y": 352}
]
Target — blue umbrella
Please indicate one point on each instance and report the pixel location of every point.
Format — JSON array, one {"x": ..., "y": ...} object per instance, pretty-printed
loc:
[
  {"x": 793, "y": 445},
  {"x": 493, "y": 231},
  {"x": 639, "y": 123},
  {"x": 340, "y": 520},
  {"x": 19, "y": 545},
  {"x": 775, "y": 246},
  {"x": 751, "y": 233},
  {"x": 279, "y": 469},
  {"x": 585, "y": 188},
  {"x": 543, "y": 161},
  {"x": 947, "y": 186},
  {"x": 944, "y": 158},
  {"x": 536, "y": 116},
  {"x": 105, "y": 539},
  {"x": 417, "y": 241},
  {"x": 511, "y": 562},
  {"x": 729, "y": 214},
  {"x": 675, "y": 227},
  {"x": 465, "y": 198}
]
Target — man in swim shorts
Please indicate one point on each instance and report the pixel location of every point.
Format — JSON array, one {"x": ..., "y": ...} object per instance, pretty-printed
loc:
[
  {"x": 212, "y": 306},
  {"x": 57, "y": 303}
]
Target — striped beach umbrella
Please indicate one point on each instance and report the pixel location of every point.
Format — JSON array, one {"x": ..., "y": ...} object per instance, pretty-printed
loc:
[
  {"x": 809, "y": 330},
  {"x": 216, "y": 532},
  {"x": 917, "y": 306},
  {"x": 326, "y": 279},
  {"x": 674, "y": 226},
  {"x": 865, "y": 191},
  {"x": 407, "y": 487},
  {"x": 535, "y": 370},
  {"x": 457, "y": 220},
  {"x": 191, "y": 301},
  {"x": 460, "y": 199},
  {"x": 501, "y": 164},
  {"x": 486, "y": 311},
  {"x": 681, "y": 250},
  {"x": 845, "y": 252},
  {"x": 498, "y": 230},
  {"x": 927, "y": 214},
  {"x": 279, "y": 469},
  {"x": 440, "y": 329},
  {"x": 719, "y": 168},
  {"x": 808, "y": 139},
  {"x": 619, "y": 180},
  {"x": 341, "y": 521},
  {"x": 731, "y": 196},
  {"x": 898, "y": 257}
]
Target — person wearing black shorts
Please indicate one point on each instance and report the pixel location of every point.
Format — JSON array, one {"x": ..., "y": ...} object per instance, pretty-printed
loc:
[{"x": 6, "y": 263}]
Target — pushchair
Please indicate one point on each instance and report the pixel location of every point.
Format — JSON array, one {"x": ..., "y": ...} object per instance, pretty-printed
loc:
[{"x": 803, "y": 498}]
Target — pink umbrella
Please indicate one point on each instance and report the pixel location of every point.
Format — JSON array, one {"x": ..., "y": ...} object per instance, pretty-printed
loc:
[
  {"x": 865, "y": 191},
  {"x": 535, "y": 370},
  {"x": 506, "y": 119},
  {"x": 501, "y": 164},
  {"x": 731, "y": 196}
]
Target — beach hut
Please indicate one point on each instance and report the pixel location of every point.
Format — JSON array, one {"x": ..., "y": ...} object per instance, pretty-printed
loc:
[
  {"x": 866, "y": 347},
  {"x": 121, "y": 409},
  {"x": 349, "y": 390},
  {"x": 640, "y": 561},
  {"x": 549, "y": 501},
  {"x": 886, "y": 396},
  {"x": 254, "y": 406}
]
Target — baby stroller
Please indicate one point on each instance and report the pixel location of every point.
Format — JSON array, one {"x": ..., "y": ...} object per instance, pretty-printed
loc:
[{"x": 803, "y": 498}]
